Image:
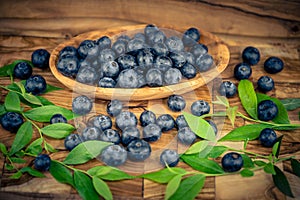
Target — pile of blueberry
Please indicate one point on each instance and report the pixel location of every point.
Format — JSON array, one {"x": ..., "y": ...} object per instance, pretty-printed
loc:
[{"x": 146, "y": 59}]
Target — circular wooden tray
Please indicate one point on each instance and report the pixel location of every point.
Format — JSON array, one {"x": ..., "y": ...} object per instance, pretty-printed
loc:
[{"x": 216, "y": 47}]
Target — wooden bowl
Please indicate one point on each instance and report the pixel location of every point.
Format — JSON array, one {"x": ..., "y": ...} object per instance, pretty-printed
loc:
[{"x": 216, "y": 47}]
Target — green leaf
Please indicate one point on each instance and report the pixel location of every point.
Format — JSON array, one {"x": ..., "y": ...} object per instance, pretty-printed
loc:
[
  {"x": 12, "y": 102},
  {"x": 221, "y": 100},
  {"x": 20, "y": 154},
  {"x": 43, "y": 101},
  {"x": 51, "y": 88},
  {"x": 248, "y": 97},
  {"x": 17, "y": 160},
  {"x": 200, "y": 127},
  {"x": 231, "y": 113},
  {"x": 35, "y": 147},
  {"x": 247, "y": 132},
  {"x": 2, "y": 110},
  {"x": 58, "y": 130},
  {"x": 246, "y": 173},
  {"x": 248, "y": 163},
  {"x": 3, "y": 148},
  {"x": 206, "y": 151},
  {"x": 102, "y": 188},
  {"x": 276, "y": 149},
  {"x": 22, "y": 138},
  {"x": 164, "y": 175},
  {"x": 32, "y": 172},
  {"x": 14, "y": 87},
  {"x": 197, "y": 147},
  {"x": 281, "y": 182},
  {"x": 9, "y": 167},
  {"x": 259, "y": 163},
  {"x": 291, "y": 104},
  {"x": 109, "y": 173},
  {"x": 85, "y": 151},
  {"x": 295, "y": 166},
  {"x": 269, "y": 169},
  {"x": 21, "y": 87},
  {"x": 189, "y": 188},
  {"x": 84, "y": 186},
  {"x": 16, "y": 175},
  {"x": 202, "y": 164},
  {"x": 282, "y": 116},
  {"x": 217, "y": 151},
  {"x": 49, "y": 147},
  {"x": 172, "y": 186},
  {"x": 44, "y": 113},
  {"x": 32, "y": 99},
  {"x": 61, "y": 173}
]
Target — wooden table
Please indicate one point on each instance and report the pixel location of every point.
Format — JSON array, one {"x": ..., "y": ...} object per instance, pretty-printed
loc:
[{"x": 271, "y": 26}]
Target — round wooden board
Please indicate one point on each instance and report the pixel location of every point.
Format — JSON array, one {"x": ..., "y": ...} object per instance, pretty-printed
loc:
[{"x": 217, "y": 49}]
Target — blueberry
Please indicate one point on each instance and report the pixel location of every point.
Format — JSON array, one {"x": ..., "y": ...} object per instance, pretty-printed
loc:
[
  {"x": 40, "y": 58},
  {"x": 154, "y": 78},
  {"x": 138, "y": 150},
  {"x": 124, "y": 38},
  {"x": 128, "y": 78},
  {"x": 140, "y": 36},
  {"x": 174, "y": 44},
  {"x": 104, "y": 42},
  {"x": 267, "y": 110},
  {"x": 176, "y": 102},
  {"x": 58, "y": 118},
  {"x": 151, "y": 133},
  {"x": 68, "y": 66},
  {"x": 88, "y": 49},
  {"x": 228, "y": 89},
  {"x": 172, "y": 76},
  {"x": 180, "y": 122},
  {"x": 189, "y": 57},
  {"x": 165, "y": 122},
  {"x": 11, "y": 121},
  {"x": 199, "y": 50},
  {"x": 251, "y": 55},
  {"x": 156, "y": 37},
  {"x": 126, "y": 119},
  {"x": 110, "y": 135},
  {"x": 91, "y": 133},
  {"x": 35, "y": 84},
  {"x": 82, "y": 105},
  {"x": 68, "y": 51},
  {"x": 160, "y": 49},
  {"x": 114, "y": 107},
  {"x": 110, "y": 69},
  {"x": 267, "y": 137},
  {"x": 119, "y": 47},
  {"x": 200, "y": 107},
  {"x": 126, "y": 61},
  {"x": 42, "y": 162},
  {"x": 242, "y": 71},
  {"x": 178, "y": 59},
  {"x": 141, "y": 80},
  {"x": 186, "y": 136},
  {"x": 149, "y": 29},
  {"x": 128, "y": 134},
  {"x": 162, "y": 63},
  {"x": 147, "y": 117},
  {"x": 107, "y": 82},
  {"x": 191, "y": 36},
  {"x": 204, "y": 63},
  {"x": 87, "y": 75},
  {"x": 72, "y": 140},
  {"x": 113, "y": 155},
  {"x": 145, "y": 58},
  {"x": 22, "y": 70},
  {"x": 265, "y": 84},
  {"x": 232, "y": 162},
  {"x": 213, "y": 125},
  {"x": 102, "y": 122},
  {"x": 135, "y": 44},
  {"x": 169, "y": 158},
  {"x": 273, "y": 65},
  {"x": 106, "y": 55},
  {"x": 188, "y": 71}
]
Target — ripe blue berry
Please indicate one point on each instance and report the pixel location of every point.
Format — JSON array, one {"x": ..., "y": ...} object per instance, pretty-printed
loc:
[
  {"x": 188, "y": 71},
  {"x": 22, "y": 70},
  {"x": 169, "y": 158},
  {"x": 91, "y": 133},
  {"x": 35, "y": 84},
  {"x": 135, "y": 44},
  {"x": 151, "y": 133},
  {"x": 273, "y": 65},
  {"x": 68, "y": 66},
  {"x": 58, "y": 118},
  {"x": 40, "y": 58},
  {"x": 232, "y": 162},
  {"x": 176, "y": 103},
  {"x": 140, "y": 36},
  {"x": 138, "y": 150},
  {"x": 174, "y": 44},
  {"x": 186, "y": 136},
  {"x": 199, "y": 50},
  {"x": 119, "y": 47},
  {"x": 42, "y": 162},
  {"x": 190, "y": 58},
  {"x": 114, "y": 107},
  {"x": 72, "y": 140},
  {"x": 228, "y": 89},
  {"x": 110, "y": 69},
  {"x": 166, "y": 122},
  {"x": 68, "y": 51},
  {"x": 160, "y": 49},
  {"x": 267, "y": 110},
  {"x": 242, "y": 71},
  {"x": 200, "y": 107},
  {"x": 87, "y": 75},
  {"x": 172, "y": 76},
  {"x": 128, "y": 134},
  {"x": 128, "y": 78},
  {"x": 103, "y": 42},
  {"x": 162, "y": 63},
  {"x": 267, "y": 137},
  {"x": 107, "y": 82},
  {"x": 145, "y": 58},
  {"x": 180, "y": 122},
  {"x": 178, "y": 59},
  {"x": 113, "y": 155},
  {"x": 251, "y": 55},
  {"x": 82, "y": 105},
  {"x": 102, "y": 122},
  {"x": 154, "y": 77},
  {"x": 265, "y": 84},
  {"x": 88, "y": 48},
  {"x": 126, "y": 119},
  {"x": 156, "y": 37},
  {"x": 204, "y": 63},
  {"x": 11, "y": 121},
  {"x": 147, "y": 117},
  {"x": 149, "y": 29},
  {"x": 110, "y": 135},
  {"x": 126, "y": 61},
  {"x": 106, "y": 55},
  {"x": 191, "y": 37}
]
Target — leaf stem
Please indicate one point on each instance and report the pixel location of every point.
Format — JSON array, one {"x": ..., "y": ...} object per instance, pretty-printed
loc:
[{"x": 248, "y": 152}]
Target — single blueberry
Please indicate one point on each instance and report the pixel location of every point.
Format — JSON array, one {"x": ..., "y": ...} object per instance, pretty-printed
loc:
[
  {"x": 68, "y": 51},
  {"x": 126, "y": 119},
  {"x": 68, "y": 66},
  {"x": 174, "y": 44},
  {"x": 138, "y": 150},
  {"x": 265, "y": 84},
  {"x": 40, "y": 58},
  {"x": 232, "y": 162},
  {"x": 87, "y": 75},
  {"x": 102, "y": 122},
  {"x": 104, "y": 42},
  {"x": 267, "y": 110},
  {"x": 110, "y": 69},
  {"x": 71, "y": 141},
  {"x": 228, "y": 89},
  {"x": 199, "y": 50},
  {"x": 113, "y": 155},
  {"x": 119, "y": 47},
  {"x": 88, "y": 49},
  {"x": 149, "y": 29},
  {"x": 124, "y": 38},
  {"x": 126, "y": 61},
  {"x": 22, "y": 70},
  {"x": 42, "y": 162},
  {"x": 176, "y": 102},
  {"x": 58, "y": 118},
  {"x": 204, "y": 63},
  {"x": 147, "y": 117},
  {"x": 162, "y": 63},
  {"x": 128, "y": 134},
  {"x": 11, "y": 121},
  {"x": 165, "y": 122},
  {"x": 141, "y": 79},
  {"x": 273, "y": 65},
  {"x": 35, "y": 84},
  {"x": 154, "y": 78},
  {"x": 156, "y": 37},
  {"x": 91, "y": 133},
  {"x": 82, "y": 105},
  {"x": 110, "y": 135},
  {"x": 135, "y": 44},
  {"x": 178, "y": 59},
  {"x": 140, "y": 36},
  {"x": 267, "y": 137},
  {"x": 200, "y": 107},
  {"x": 172, "y": 76},
  {"x": 145, "y": 58},
  {"x": 191, "y": 36},
  {"x": 189, "y": 57},
  {"x": 180, "y": 122},
  {"x": 251, "y": 55},
  {"x": 186, "y": 136},
  {"x": 242, "y": 71},
  {"x": 160, "y": 49},
  {"x": 169, "y": 158},
  {"x": 128, "y": 78},
  {"x": 188, "y": 71},
  {"x": 106, "y": 55},
  {"x": 151, "y": 133},
  {"x": 114, "y": 107},
  {"x": 107, "y": 82}
]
